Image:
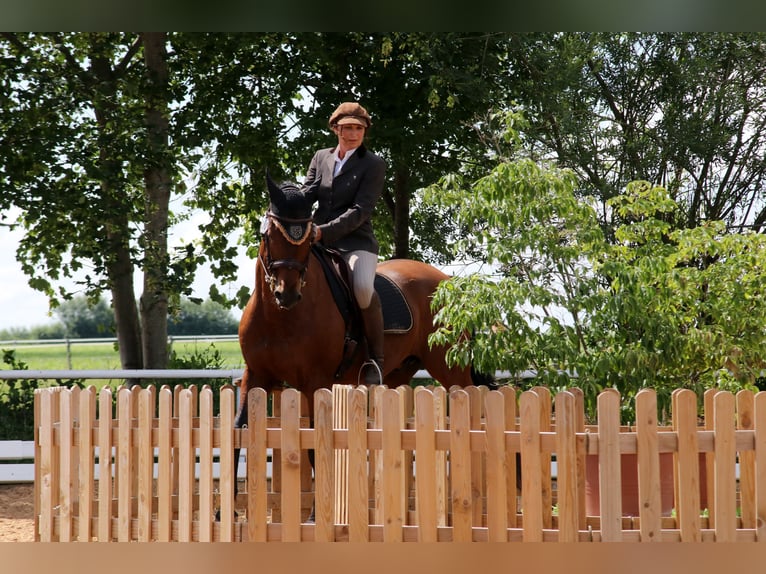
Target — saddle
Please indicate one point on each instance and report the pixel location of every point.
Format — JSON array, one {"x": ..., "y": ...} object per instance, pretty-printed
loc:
[{"x": 397, "y": 316}]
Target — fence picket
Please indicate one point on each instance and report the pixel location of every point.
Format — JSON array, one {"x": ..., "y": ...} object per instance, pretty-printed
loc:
[
  {"x": 760, "y": 465},
  {"x": 291, "y": 459},
  {"x": 512, "y": 475},
  {"x": 460, "y": 466},
  {"x": 531, "y": 461},
  {"x": 86, "y": 468},
  {"x": 104, "y": 465},
  {"x": 377, "y": 456},
  {"x": 324, "y": 466},
  {"x": 476, "y": 407},
  {"x": 185, "y": 466},
  {"x": 688, "y": 497},
  {"x": 206, "y": 488},
  {"x": 358, "y": 486},
  {"x": 709, "y": 421},
  {"x": 609, "y": 465},
  {"x": 227, "y": 478},
  {"x": 649, "y": 493},
  {"x": 66, "y": 467},
  {"x": 165, "y": 465},
  {"x": 425, "y": 458},
  {"x": 393, "y": 471},
  {"x": 48, "y": 471},
  {"x": 745, "y": 402},
  {"x": 257, "y": 471},
  {"x": 497, "y": 501},
  {"x": 546, "y": 410},
  {"x": 440, "y": 485},
  {"x": 124, "y": 464},
  {"x": 145, "y": 465},
  {"x": 579, "y": 427},
  {"x": 566, "y": 461},
  {"x": 725, "y": 461}
]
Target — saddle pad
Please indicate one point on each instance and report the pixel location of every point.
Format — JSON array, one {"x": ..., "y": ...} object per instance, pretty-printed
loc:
[{"x": 397, "y": 317}]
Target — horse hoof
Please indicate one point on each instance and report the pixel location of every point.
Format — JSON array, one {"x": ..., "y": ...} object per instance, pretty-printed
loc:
[{"x": 218, "y": 515}]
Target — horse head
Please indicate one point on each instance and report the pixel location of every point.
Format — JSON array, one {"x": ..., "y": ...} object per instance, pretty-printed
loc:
[{"x": 288, "y": 231}]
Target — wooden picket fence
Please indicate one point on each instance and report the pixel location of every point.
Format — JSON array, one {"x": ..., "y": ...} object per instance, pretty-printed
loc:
[{"x": 424, "y": 464}]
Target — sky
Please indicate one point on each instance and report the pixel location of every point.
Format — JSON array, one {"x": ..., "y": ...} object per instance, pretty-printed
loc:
[{"x": 21, "y": 306}]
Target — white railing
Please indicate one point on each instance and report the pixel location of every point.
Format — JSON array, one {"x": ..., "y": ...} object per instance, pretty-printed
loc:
[
  {"x": 111, "y": 374},
  {"x": 78, "y": 341}
]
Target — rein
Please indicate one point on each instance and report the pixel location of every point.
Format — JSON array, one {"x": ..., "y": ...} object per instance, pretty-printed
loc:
[{"x": 293, "y": 231}]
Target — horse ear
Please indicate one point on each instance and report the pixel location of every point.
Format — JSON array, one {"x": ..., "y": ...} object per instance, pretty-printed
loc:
[{"x": 275, "y": 193}]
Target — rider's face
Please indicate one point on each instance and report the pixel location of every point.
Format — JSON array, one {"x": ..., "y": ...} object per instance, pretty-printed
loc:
[{"x": 350, "y": 136}]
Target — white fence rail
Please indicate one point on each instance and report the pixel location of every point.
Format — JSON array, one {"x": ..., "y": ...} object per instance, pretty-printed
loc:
[{"x": 78, "y": 341}]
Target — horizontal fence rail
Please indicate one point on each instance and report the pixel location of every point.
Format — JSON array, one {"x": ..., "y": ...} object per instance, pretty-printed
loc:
[
  {"x": 425, "y": 464},
  {"x": 112, "y": 340}
]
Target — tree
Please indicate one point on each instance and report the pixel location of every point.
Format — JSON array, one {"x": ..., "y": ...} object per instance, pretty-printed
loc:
[
  {"x": 425, "y": 92},
  {"x": 206, "y": 318},
  {"x": 98, "y": 133},
  {"x": 684, "y": 110},
  {"x": 83, "y": 124},
  {"x": 662, "y": 307},
  {"x": 85, "y": 319}
]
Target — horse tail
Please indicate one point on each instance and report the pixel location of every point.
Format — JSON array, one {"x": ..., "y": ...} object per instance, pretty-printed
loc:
[{"x": 487, "y": 379}]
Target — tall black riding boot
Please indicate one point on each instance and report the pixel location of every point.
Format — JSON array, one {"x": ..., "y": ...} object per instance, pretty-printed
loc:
[{"x": 372, "y": 317}]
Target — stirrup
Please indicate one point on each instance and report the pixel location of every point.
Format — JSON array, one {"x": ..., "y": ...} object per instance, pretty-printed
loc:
[{"x": 370, "y": 363}]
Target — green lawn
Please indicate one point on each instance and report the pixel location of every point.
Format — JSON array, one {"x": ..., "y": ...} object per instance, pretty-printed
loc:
[
  {"x": 104, "y": 356},
  {"x": 16, "y": 418}
]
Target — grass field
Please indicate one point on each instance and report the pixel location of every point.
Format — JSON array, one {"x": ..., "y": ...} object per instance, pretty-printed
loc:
[
  {"x": 90, "y": 356},
  {"x": 104, "y": 356},
  {"x": 16, "y": 419}
]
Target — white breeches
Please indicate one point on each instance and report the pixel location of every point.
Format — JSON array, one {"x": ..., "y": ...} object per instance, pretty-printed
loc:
[{"x": 363, "y": 265}]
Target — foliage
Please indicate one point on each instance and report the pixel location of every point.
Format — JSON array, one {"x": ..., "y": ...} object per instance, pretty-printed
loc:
[
  {"x": 205, "y": 318},
  {"x": 17, "y": 398},
  {"x": 85, "y": 121},
  {"x": 84, "y": 319},
  {"x": 662, "y": 307},
  {"x": 55, "y": 331},
  {"x": 208, "y": 358},
  {"x": 425, "y": 91},
  {"x": 683, "y": 110}
]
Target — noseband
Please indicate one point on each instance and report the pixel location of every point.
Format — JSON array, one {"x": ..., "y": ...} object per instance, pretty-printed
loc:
[{"x": 296, "y": 232}]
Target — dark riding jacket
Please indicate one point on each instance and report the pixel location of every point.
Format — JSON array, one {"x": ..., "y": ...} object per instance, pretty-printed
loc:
[{"x": 346, "y": 201}]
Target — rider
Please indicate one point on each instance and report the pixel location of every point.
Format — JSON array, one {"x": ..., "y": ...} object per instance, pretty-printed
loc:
[{"x": 347, "y": 181}]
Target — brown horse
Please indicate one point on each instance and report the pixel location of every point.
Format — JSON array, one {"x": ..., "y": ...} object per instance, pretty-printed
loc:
[{"x": 292, "y": 332}]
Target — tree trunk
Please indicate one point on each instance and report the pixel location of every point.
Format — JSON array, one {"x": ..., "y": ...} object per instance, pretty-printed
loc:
[
  {"x": 401, "y": 214},
  {"x": 116, "y": 209},
  {"x": 124, "y": 304},
  {"x": 157, "y": 181}
]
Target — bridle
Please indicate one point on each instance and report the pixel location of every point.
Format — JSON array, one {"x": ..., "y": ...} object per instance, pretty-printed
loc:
[{"x": 296, "y": 232}]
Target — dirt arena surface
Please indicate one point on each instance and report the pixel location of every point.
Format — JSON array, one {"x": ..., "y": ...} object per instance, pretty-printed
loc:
[{"x": 17, "y": 513}]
